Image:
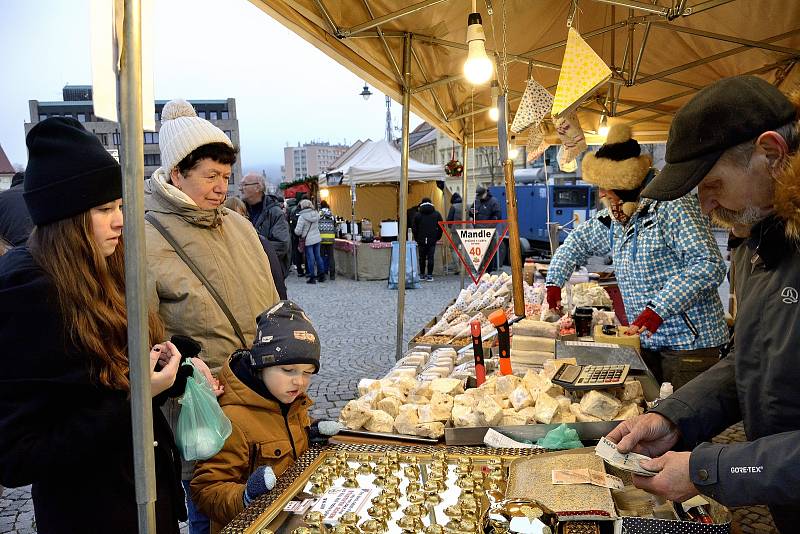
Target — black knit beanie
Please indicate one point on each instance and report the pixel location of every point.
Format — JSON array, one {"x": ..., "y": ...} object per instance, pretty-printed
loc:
[
  {"x": 68, "y": 172},
  {"x": 285, "y": 336}
]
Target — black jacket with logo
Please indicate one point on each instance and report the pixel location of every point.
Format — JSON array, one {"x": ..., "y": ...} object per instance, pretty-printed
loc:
[{"x": 758, "y": 382}]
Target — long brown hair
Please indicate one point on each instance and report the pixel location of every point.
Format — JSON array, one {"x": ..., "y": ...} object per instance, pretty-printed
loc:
[{"x": 91, "y": 295}]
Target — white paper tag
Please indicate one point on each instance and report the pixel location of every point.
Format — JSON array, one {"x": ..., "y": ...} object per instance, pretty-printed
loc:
[{"x": 476, "y": 242}]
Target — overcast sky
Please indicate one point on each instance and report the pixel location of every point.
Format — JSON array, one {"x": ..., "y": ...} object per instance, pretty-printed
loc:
[{"x": 286, "y": 90}]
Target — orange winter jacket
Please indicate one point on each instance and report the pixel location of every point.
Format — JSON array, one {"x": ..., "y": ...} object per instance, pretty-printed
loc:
[{"x": 261, "y": 436}]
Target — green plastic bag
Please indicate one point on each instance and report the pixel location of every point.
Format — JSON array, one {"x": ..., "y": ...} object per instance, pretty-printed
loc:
[
  {"x": 202, "y": 426},
  {"x": 561, "y": 437}
]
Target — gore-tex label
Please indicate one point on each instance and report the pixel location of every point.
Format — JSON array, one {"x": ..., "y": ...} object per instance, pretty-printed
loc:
[{"x": 747, "y": 469}]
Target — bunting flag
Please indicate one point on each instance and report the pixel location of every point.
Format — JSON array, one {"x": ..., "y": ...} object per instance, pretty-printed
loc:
[
  {"x": 536, "y": 144},
  {"x": 535, "y": 104},
  {"x": 582, "y": 72},
  {"x": 573, "y": 143}
]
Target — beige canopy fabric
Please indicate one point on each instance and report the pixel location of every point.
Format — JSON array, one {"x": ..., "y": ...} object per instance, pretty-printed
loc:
[{"x": 705, "y": 41}]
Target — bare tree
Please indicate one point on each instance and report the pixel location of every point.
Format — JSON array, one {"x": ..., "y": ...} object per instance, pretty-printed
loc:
[{"x": 490, "y": 156}]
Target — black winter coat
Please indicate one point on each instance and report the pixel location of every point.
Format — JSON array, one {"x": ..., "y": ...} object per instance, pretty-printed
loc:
[
  {"x": 15, "y": 221},
  {"x": 271, "y": 224},
  {"x": 426, "y": 229},
  {"x": 487, "y": 209},
  {"x": 60, "y": 432}
]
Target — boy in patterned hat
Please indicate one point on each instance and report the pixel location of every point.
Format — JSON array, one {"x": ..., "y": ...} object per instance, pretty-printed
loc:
[
  {"x": 265, "y": 399},
  {"x": 666, "y": 260}
]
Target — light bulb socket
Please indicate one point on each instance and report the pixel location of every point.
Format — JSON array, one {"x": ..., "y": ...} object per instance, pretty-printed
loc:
[
  {"x": 475, "y": 33},
  {"x": 474, "y": 18}
]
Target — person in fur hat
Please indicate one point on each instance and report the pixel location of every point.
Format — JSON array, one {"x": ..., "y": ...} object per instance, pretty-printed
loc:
[
  {"x": 738, "y": 142},
  {"x": 665, "y": 257}
]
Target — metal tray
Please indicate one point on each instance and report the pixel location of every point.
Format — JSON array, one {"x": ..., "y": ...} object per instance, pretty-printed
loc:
[
  {"x": 388, "y": 435},
  {"x": 474, "y": 435}
]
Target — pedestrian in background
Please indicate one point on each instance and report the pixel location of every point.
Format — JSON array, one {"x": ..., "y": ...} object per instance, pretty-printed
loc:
[
  {"x": 426, "y": 232},
  {"x": 327, "y": 232},
  {"x": 298, "y": 252},
  {"x": 65, "y": 410},
  {"x": 275, "y": 264},
  {"x": 265, "y": 211},
  {"x": 487, "y": 208},
  {"x": 307, "y": 230},
  {"x": 455, "y": 214},
  {"x": 15, "y": 222}
]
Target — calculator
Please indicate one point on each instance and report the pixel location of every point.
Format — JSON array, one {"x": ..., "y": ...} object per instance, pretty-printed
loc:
[{"x": 591, "y": 376}]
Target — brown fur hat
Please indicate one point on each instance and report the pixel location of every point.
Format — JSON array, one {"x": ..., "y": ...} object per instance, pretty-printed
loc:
[{"x": 618, "y": 164}]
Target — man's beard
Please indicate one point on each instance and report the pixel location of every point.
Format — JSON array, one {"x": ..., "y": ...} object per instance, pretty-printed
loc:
[{"x": 748, "y": 216}]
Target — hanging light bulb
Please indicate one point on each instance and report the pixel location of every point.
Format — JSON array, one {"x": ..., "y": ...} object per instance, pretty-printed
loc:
[
  {"x": 365, "y": 93},
  {"x": 494, "y": 112},
  {"x": 513, "y": 150},
  {"x": 602, "y": 129},
  {"x": 478, "y": 67}
]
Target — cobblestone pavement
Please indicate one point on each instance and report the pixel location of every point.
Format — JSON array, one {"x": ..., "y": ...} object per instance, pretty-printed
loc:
[{"x": 356, "y": 323}]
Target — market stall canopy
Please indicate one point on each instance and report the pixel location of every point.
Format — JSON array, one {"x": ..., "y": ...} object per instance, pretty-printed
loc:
[
  {"x": 660, "y": 52},
  {"x": 379, "y": 162}
]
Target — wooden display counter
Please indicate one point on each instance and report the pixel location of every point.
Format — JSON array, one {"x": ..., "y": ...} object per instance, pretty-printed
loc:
[{"x": 373, "y": 259}]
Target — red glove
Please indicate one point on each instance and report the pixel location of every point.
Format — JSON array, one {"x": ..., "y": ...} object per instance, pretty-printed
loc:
[
  {"x": 553, "y": 297},
  {"x": 649, "y": 319}
]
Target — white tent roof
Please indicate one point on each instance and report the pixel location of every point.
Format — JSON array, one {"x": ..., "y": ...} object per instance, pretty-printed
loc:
[{"x": 379, "y": 162}]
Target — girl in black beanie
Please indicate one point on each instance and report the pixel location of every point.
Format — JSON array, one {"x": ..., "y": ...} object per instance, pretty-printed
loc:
[{"x": 65, "y": 414}]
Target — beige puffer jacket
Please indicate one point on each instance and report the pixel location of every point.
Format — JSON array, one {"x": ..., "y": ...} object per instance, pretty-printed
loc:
[{"x": 226, "y": 249}]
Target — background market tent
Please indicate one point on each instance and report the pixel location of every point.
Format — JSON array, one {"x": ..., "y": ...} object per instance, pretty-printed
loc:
[{"x": 374, "y": 170}]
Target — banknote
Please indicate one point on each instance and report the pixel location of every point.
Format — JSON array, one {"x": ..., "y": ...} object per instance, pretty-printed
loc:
[
  {"x": 607, "y": 450},
  {"x": 586, "y": 476}
]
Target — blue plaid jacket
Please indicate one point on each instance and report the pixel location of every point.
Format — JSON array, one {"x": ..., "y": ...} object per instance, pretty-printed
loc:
[{"x": 665, "y": 258}]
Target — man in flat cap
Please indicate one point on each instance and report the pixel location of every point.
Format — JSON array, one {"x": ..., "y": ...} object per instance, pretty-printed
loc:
[{"x": 737, "y": 142}]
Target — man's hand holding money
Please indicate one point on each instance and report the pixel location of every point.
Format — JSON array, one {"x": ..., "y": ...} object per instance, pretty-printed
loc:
[
  {"x": 654, "y": 435},
  {"x": 650, "y": 434},
  {"x": 672, "y": 480}
]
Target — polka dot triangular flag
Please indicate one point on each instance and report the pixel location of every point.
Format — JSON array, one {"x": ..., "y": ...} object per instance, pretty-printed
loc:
[
  {"x": 535, "y": 104},
  {"x": 573, "y": 142},
  {"x": 582, "y": 72}
]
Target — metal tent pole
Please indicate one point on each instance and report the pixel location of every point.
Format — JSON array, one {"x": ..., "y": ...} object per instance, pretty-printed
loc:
[
  {"x": 403, "y": 223},
  {"x": 462, "y": 267},
  {"x": 130, "y": 108},
  {"x": 514, "y": 249}
]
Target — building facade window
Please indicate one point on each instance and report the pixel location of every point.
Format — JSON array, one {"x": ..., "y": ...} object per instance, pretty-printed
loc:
[
  {"x": 152, "y": 160},
  {"x": 103, "y": 138},
  {"x": 212, "y": 115},
  {"x": 224, "y": 115},
  {"x": 115, "y": 138},
  {"x": 42, "y": 116},
  {"x": 201, "y": 114},
  {"x": 82, "y": 117},
  {"x": 229, "y": 134}
]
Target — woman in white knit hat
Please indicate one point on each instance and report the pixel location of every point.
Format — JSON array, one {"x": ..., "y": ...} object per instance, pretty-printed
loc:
[{"x": 184, "y": 211}]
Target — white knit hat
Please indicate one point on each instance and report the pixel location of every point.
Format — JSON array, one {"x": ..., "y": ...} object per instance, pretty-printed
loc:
[{"x": 182, "y": 131}]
